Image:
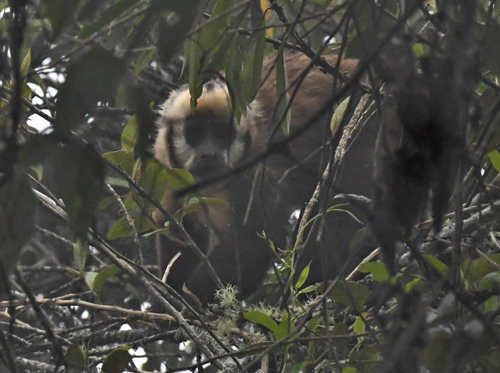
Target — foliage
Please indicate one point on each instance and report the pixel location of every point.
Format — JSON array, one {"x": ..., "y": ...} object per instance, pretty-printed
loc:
[{"x": 77, "y": 192}]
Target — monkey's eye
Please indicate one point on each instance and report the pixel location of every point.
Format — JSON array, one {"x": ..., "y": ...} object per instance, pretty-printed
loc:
[{"x": 194, "y": 131}]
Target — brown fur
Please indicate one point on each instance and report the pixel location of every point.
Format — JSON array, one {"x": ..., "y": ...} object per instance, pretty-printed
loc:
[
  {"x": 291, "y": 175},
  {"x": 309, "y": 94},
  {"x": 240, "y": 256}
]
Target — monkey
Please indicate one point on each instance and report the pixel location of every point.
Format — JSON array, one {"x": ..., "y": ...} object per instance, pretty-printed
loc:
[
  {"x": 209, "y": 141},
  {"x": 204, "y": 143}
]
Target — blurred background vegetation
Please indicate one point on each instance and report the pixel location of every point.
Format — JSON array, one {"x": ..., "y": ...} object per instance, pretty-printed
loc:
[{"x": 80, "y": 83}]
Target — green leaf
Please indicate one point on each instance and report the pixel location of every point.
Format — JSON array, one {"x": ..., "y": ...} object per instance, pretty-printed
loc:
[
  {"x": 349, "y": 370},
  {"x": 234, "y": 79},
  {"x": 90, "y": 276},
  {"x": 26, "y": 91},
  {"x": 38, "y": 171},
  {"x": 80, "y": 255},
  {"x": 253, "y": 59},
  {"x": 26, "y": 64},
  {"x": 359, "y": 326},
  {"x": 310, "y": 289},
  {"x": 437, "y": 264},
  {"x": 137, "y": 169},
  {"x": 283, "y": 112},
  {"x": 254, "y": 64},
  {"x": 154, "y": 180},
  {"x": 284, "y": 328},
  {"x": 217, "y": 23},
  {"x": 114, "y": 181},
  {"x": 350, "y": 294},
  {"x": 79, "y": 178},
  {"x": 90, "y": 80},
  {"x": 377, "y": 269},
  {"x": 338, "y": 115},
  {"x": 77, "y": 359},
  {"x": 179, "y": 179},
  {"x": 421, "y": 49},
  {"x": 478, "y": 268},
  {"x": 336, "y": 208},
  {"x": 313, "y": 325},
  {"x": 213, "y": 41},
  {"x": 103, "y": 276},
  {"x": 494, "y": 157},
  {"x": 123, "y": 229},
  {"x": 491, "y": 304},
  {"x": 167, "y": 233},
  {"x": 413, "y": 283},
  {"x": 192, "y": 205},
  {"x": 106, "y": 17},
  {"x": 303, "y": 277},
  {"x": 122, "y": 158},
  {"x": 117, "y": 361},
  {"x": 261, "y": 318},
  {"x": 129, "y": 134},
  {"x": 73, "y": 271},
  {"x": 195, "y": 80},
  {"x": 164, "y": 231},
  {"x": 490, "y": 282},
  {"x": 195, "y": 203}
]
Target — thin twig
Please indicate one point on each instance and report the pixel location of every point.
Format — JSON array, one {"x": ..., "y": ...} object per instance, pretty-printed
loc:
[
  {"x": 42, "y": 317},
  {"x": 130, "y": 222}
]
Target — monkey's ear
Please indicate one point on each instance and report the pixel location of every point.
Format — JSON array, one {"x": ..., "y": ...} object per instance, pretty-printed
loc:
[{"x": 176, "y": 108}]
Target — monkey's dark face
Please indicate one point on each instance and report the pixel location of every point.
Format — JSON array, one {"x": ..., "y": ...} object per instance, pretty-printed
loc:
[
  {"x": 210, "y": 144},
  {"x": 207, "y": 141}
]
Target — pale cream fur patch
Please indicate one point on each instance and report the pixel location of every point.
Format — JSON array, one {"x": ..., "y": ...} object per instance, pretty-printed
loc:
[
  {"x": 183, "y": 152},
  {"x": 177, "y": 107},
  {"x": 160, "y": 147},
  {"x": 249, "y": 123},
  {"x": 217, "y": 101}
]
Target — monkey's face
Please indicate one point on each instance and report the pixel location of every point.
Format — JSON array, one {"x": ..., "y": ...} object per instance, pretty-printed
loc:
[{"x": 206, "y": 141}]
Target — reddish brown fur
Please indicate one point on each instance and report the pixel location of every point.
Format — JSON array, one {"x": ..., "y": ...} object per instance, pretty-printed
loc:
[{"x": 309, "y": 94}]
